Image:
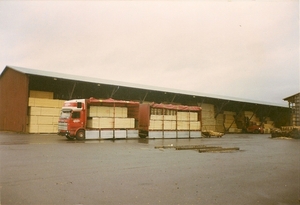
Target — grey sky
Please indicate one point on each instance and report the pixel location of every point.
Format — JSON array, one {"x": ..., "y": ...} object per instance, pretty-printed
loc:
[{"x": 240, "y": 49}]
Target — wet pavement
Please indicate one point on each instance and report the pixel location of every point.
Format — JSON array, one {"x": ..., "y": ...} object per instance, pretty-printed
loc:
[{"x": 48, "y": 169}]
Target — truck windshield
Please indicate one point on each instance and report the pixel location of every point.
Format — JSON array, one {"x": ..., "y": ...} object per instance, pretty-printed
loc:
[{"x": 65, "y": 114}]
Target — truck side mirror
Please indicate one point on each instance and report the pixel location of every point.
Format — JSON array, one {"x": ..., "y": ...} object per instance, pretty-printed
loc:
[{"x": 79, "y": 104}]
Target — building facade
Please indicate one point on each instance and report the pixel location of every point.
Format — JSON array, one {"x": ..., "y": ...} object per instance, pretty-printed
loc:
[{"x": 294, "y": 105}]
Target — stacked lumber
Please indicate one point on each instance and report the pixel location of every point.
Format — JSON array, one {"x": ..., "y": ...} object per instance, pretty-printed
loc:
[
  {"x": 105, "y": 117},
  {"x": 163, "y": 119},
  {"x": 268, "y": 125},
  {"x": 43, "y": 112},
  {"x": 105, "y": 111},
  {"x": 110, "y": 123},
  {"x": 252, "y": 117},
  {"x": 208, "y": 117},
  {"x": 220, "y": 123},
  {"x": 229, "y": 122},
  {"x": 40, "y": 94}
]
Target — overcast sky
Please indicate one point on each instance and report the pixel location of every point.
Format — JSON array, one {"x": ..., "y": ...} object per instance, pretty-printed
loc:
[{"x": 239, "y": 49}]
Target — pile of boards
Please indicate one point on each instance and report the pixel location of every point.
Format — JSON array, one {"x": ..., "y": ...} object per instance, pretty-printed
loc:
[
  {"x": 164, "y": 119},
  {"x": 199, "y": 148},
  {"x": 43, "y": 112},
  {"x": 225, "y": 121},
  {"x": 105, "y": 117},
  {"x": 220, "y": 123}
]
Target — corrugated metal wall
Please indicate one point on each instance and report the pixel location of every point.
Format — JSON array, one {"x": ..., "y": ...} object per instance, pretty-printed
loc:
[{"x": 13, "y": 101}]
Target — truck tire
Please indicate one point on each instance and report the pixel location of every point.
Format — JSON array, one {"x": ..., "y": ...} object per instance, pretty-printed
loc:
[{"x": 80, "y": 135}]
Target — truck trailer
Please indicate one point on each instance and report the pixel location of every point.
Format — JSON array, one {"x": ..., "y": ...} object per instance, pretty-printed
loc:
[{"x": 169, "y": 121}]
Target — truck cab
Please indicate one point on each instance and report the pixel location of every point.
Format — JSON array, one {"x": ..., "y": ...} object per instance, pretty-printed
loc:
[{"x": 71, "y": 122}]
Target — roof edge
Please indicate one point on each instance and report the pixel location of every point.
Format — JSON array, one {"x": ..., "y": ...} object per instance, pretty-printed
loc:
[{"x": 131, "y": 85}]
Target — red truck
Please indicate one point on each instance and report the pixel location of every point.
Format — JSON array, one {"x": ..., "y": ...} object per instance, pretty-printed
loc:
[
  {"x": 112, "y": 119},
  {"x": 94, "y": 119}
]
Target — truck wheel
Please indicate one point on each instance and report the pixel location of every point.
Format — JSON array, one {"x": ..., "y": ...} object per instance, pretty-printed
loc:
[
  {"x": 143, "y": 134},
  {"x": 80, "y": 135}
]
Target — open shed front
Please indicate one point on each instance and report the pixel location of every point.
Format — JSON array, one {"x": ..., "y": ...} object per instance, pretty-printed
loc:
[{"x": 218, "y": 113}]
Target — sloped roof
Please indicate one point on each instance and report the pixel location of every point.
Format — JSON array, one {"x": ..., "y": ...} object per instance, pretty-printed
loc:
[
  {"x": 29, "y": 71},
  {"x": 291, "y": 98}
]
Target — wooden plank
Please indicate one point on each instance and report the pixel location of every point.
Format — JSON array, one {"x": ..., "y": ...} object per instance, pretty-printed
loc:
[
  {"x": 106, "y": 122},
  {"x": 183, "y": 125},
  {"x": 156, "y": 117},
  {"x": 218, "y": 149},
  {"x": 43, "y": 120},
  {"x": 40, "y": 94},
  {"x": 169, "y": 117},
  {"x": 209, "y": 121},
  {"x": 183, "y": 116},
  {"x": 193, "y": 116},
  {"x": 35, "y": 111},
  {"x": 191, "y": 147},
  {"x": 44, "y": 111},
  {"x": 93, "y": 111},
  {"x": 48, "y": 111},
  {"x": 205, "y": 106},
  {"x": 156, "y": 125},
  {"x": 195, "y": 125},
  {"x": 126, "y": 123},
  {"x": 106, "y": 111},
  {"x": 169, "y": 125},
  {"x": 42, "y": 128},
  {"x": 121, "y": 112}
]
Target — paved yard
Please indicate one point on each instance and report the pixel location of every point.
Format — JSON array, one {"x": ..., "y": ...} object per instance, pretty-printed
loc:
[{"x": 48, "y": 169}]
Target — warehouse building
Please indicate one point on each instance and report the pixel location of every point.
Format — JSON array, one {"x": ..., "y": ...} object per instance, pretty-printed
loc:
[
  {"x": 294, "y": 105},
  {"x": 30, "y": 102}
]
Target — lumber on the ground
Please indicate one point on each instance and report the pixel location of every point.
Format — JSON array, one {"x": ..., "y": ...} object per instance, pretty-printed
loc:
[
  {"x": 195, "y": 147},
  {"x": 218, "y": 149}
]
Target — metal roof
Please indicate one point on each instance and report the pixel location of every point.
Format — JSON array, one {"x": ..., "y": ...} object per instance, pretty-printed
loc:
[
  {"x": 29, "y": 71},
  {"x": 291, "y": 97}
]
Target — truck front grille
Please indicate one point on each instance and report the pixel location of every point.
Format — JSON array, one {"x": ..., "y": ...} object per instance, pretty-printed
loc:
[{"x": 62, "y": 126}]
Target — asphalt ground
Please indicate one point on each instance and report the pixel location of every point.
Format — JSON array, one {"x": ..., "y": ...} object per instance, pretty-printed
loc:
[{"x": 49, "y": 169}]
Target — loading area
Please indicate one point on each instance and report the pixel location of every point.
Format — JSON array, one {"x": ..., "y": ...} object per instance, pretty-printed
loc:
[{"x": 48, "y": 169}]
